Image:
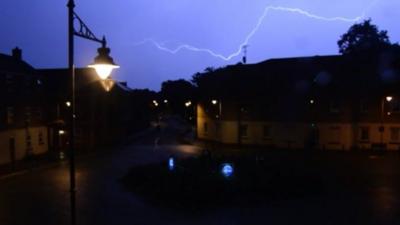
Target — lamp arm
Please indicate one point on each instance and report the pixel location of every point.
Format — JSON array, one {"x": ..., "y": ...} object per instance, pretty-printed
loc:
[{"x": 85, "y": 32}]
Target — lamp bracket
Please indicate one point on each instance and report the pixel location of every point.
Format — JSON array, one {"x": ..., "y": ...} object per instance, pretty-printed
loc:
[{"x": 85, "y": 32}]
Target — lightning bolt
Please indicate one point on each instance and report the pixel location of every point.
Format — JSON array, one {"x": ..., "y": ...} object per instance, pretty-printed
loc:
[{"x": 162, "y": 45}]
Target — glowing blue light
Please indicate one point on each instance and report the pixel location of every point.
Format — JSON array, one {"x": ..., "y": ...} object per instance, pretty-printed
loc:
[
  {"x": 171, "y": 163},
  {"x": 227, "y": 170}
]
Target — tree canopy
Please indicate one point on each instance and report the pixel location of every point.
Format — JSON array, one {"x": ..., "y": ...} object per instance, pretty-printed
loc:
[{"x": 363, "y": 37}]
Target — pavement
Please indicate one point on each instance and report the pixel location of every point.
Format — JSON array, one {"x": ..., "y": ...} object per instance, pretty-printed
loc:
[{"x": 359, "y": 189}]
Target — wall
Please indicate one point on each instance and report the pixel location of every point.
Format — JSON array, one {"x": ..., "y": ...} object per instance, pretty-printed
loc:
[
  {"x": 330, "y": 136},
  {"x": 20, "y": 136}
]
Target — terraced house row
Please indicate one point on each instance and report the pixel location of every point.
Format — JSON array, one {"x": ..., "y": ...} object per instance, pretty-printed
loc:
[
  {"x": 322, "y": 102},
  {"x": 35, "y": 110}
]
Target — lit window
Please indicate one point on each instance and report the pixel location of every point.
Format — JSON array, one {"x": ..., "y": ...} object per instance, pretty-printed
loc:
[{"x": 395, "y": 133}]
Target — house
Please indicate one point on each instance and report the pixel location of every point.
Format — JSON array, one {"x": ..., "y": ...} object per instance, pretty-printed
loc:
[
  {"x": 23, "y": 128},
  {"x": 323, "y": 102}
]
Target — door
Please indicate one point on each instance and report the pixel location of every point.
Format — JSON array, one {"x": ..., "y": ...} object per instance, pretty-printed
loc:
[{"x": 12, "y": 152}]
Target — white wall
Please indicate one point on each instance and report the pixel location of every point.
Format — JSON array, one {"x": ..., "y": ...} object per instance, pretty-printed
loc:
[{"x": 21, "y": 143}]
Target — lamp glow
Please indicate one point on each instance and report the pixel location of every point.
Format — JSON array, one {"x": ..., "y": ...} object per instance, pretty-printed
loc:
[
  {"x": 214, "y": 102},
  {"x": 103, "y": 63},
  {"x": 103, "y": 70},
  {"x": 389, "y": 98}
]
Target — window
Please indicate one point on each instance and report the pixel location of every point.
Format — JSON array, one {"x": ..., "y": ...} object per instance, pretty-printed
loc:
[
  {"x": 10, "y": 82},
  {"x": 395, "y": 105},
  {"x": 267, "y": 131},
  {"x": 10, "y": 115},
  {"x": 28, "y": 114},
  {"x": 335, "y": 134},
  {"x": 28, "y": 141},
  {"x": 40, "y": 138},
  {"x": 334, "y": 107},
  {"x": 205, "y": 127},
  {"x": 364, "y": 134},
  {"x": 243, "y": 130},
  {"x": 38, "y": 113},
  {"x": 395, "y": 133},
  {"x": 363, "y": 107}
]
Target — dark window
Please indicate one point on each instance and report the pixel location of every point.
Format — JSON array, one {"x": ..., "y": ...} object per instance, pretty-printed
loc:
[
  {"x": 267, "y": 131},
  {"x": 38, "y": 113},
  {"x": 335, "y": 134},
  {"x": 243, "y": 130},
  {"x": 40, "y": 137},
  {"x": 395, "y": 105},
  {"x": 334, "y": 107},
  {"x": 28, "y": 114},
  {"x": 364, "y": 133},
  {"x": 364, "y": 107},
  {"x": 10, "y": 115},
  {"x": 395, "y": 133},
  {"x": 205, "y": 127},
  {"x": 28, "y": 141}
]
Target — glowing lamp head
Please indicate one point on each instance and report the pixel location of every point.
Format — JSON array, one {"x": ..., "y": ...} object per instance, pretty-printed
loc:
[
  {"x": 214, "y": 102},
  {"x": 103, "y": 63},
  {"x": 389, "y": 98}
]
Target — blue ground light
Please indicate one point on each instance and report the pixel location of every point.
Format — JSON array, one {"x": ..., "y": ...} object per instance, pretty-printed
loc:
[
  {"x": 171, "y": 163},
  {"x": 227, "y": 170}
]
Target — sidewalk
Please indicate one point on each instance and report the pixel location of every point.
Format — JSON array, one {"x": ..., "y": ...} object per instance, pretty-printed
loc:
[
  {"x": 48, "y": 159},
  {"x": 25, "y": 165}
]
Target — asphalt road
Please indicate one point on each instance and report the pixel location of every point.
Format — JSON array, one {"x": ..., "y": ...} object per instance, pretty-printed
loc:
[{"x": 359, "y": 189}]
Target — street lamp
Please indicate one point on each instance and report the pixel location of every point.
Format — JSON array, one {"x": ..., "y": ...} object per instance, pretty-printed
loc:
[
  {"x": 382, "y": 128},
  {"x": 103, "y": 64}
]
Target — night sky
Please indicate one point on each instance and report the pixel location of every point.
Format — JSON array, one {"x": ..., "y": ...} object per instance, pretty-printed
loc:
[{"x": 144, "y": 34}]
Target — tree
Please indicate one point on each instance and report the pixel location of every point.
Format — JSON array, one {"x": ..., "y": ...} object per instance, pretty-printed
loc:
[
  {"x": 177, "y": 92},
  {"x": 363, "y": 38}
]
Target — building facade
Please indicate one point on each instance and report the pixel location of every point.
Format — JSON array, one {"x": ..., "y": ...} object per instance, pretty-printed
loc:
[
  {"x": 23, "y": 128},
  {"x": 317, "y": 102}
]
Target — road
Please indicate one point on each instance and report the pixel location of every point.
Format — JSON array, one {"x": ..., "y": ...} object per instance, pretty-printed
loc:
[{"x": 368, "y": 194}]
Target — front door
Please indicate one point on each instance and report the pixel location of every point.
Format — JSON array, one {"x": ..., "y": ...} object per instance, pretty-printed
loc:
[{"x": 12, "y": 152}]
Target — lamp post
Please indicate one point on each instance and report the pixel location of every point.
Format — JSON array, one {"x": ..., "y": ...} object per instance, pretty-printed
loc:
[
  {"x": 103, "y": 64},
  {"x": 381, "y": 128}
]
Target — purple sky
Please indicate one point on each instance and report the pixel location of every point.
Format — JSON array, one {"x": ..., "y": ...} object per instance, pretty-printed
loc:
[{"x": 143, "y": 34}]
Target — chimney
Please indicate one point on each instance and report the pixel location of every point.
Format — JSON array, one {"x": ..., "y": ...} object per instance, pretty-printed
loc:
[{"x": 17, "y": 53}]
